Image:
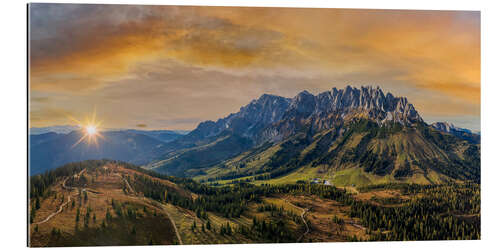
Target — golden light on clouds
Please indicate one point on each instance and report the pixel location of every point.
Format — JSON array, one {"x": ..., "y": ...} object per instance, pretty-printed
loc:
[{"x": 145, "y": 57}]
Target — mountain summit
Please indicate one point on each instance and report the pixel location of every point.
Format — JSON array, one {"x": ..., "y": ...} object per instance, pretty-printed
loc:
[
  {"x": 273, "y": 117},
  {"x": 347, "y": 136},
  {"x": 369, "y": 101}
]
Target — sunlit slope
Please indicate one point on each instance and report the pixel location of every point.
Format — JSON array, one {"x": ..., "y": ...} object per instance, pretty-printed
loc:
[
  {"x": 192, "y": 161},
  {"x": 363, "y": 153}
]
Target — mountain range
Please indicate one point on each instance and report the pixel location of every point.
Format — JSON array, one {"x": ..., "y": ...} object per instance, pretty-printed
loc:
[
  {"x": 60, "y": 129},
  {"x": 350, "y": 136},
  {"x": 50, "y": 150},
  {"x": 345, "y": 135}
]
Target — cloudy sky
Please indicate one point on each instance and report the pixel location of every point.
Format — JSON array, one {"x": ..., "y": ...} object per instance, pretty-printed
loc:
[{"x": 169, "y": 67}]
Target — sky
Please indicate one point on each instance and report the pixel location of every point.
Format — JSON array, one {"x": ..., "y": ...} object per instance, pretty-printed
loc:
[{"x": 171, "y": 67}]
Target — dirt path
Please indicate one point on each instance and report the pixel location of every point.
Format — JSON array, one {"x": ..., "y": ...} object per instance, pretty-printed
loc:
[
  {"x": 65, "y": 203},
  {"x": 129, "y": 187},
  {"x": 158, "y": 204},
  {"x": 173, "y": 223},
  {"x": 54, "y": 213},
  {"x": 131, "y": 190},
  {"x": 126, "y": 183},
  {"x": 304, "y": 211},
  {"x": 355, "y": 225}
]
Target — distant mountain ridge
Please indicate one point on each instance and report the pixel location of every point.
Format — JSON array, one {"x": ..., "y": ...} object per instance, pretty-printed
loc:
[
  {"x": 462, "y": 133},
  {"x": 59, "y": 129},
  {"x": 50, "y": 150},
  {"x": 348, "y": 136}
]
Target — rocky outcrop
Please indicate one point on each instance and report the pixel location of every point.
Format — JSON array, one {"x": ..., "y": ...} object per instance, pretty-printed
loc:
[{"x": 273, "y": 117}]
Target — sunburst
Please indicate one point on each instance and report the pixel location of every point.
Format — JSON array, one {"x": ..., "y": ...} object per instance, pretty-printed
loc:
[{"x": 90, "y": 130}]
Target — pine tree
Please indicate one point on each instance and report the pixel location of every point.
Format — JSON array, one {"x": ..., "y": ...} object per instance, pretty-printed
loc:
[
  {"x": 108, "y": 215},
  {"x": 228, "y": 229},
  {"x": 77, "y": 219},
  {"x": 37, "y": 203}
]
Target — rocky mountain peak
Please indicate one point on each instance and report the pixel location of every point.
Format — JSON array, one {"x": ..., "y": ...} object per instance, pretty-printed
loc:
[
  {"x": 270, "y": 112},
  {"x": 370, "y": 100}
]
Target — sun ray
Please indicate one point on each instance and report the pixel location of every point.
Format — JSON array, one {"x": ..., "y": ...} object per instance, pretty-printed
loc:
[
  {"x": 90, "y": 129},
  {"x": 78, "y": 142}
]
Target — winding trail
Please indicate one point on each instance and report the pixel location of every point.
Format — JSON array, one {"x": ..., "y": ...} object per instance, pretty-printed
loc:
[
  {"x": 157, "y": 204},
  {"x": 304, "y": 211},
  {"x": 173, "y": 223},
  {"x": 62, "y": 205},
  {"x": 63, "y": 185},
  {"x": 54, "y": 213}
]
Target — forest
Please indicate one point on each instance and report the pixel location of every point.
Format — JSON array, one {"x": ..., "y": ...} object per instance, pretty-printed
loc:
[{"x": 448, "y": 211}]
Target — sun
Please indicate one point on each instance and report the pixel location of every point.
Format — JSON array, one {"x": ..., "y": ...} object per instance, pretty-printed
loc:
[{"x": 90, "y": 130}]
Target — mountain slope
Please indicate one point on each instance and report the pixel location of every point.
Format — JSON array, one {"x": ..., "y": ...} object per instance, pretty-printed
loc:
[
  {"x": 380, "y": 154},
  {"x": 381, "y": 135},
  {"x": 104, "y": 202},
  {"x": 187, "y": 162}
]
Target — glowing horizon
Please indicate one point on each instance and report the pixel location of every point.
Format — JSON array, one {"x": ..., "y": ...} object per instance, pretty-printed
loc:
[{"x": 171, "y": 67}]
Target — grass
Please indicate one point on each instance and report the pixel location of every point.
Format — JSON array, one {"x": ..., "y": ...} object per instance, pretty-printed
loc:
[
  {"x": 320, "y": 215},
  {"x": 250, "y": 160},
  {"x": 301, "y": 174},
  {"x": 117, "y": 232},
  {"x": 153, "y": 225},
  {"x": 279, "y": 202}
]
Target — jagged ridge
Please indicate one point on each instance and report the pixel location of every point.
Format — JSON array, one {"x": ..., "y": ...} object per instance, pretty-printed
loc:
[
  {"x": 258, "y": 120},
  {"x": 338, "y": 129}
]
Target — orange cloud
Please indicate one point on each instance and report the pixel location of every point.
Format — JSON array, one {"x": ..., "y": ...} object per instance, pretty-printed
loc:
[
  {"x": 91, "y": 48},
  {"x": 436, "y": 50}
]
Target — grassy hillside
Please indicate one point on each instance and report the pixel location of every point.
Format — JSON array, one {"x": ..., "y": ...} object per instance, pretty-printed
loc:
[
  {"x": 114, "y": 203},
  {"x": 189, "y": 162},
  {"x": 362, "y": 154}
]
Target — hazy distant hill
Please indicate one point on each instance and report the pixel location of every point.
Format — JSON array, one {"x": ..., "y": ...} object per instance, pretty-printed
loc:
[
  {"x": 51, "y": 149},
  {"x": 61, "y": 129},
  {"x": 462, "y": 133},
  {"x": 162, "y": 135},
  {"x": 365, "y": 135}
]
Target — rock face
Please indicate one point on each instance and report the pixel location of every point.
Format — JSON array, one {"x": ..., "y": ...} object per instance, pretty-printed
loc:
[
  {"x": 371, "y": 101},
  {"x": 251, "y": 118},
  {"x": 361, "y": 128},
  {"x": 273, "y": 117}
]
